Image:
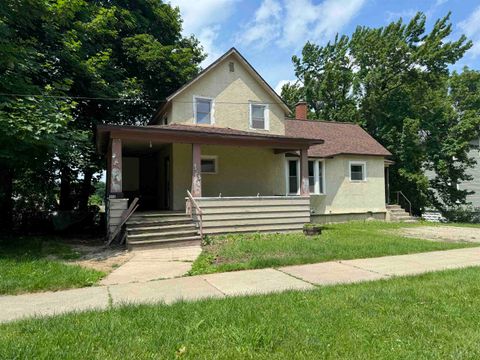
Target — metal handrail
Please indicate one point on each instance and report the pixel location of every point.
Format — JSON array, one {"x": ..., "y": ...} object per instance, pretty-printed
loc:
[
  {"x": 198, "y": 211},
  {"x": 406, "y": 199}
]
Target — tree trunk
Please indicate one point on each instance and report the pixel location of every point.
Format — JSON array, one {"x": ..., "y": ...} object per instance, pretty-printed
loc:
[
  {"x": 6, "y": 197},
  {"x": 66, "y": 202},
  {"x": 85, "y": 191}
]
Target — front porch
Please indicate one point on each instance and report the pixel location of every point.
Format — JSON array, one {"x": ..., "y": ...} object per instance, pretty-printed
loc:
[{"x": 236, "y": 179}]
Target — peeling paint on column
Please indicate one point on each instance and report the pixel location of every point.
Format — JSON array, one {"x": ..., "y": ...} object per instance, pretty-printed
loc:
[
  {"x": 196, "y": 171},
  {"x": 116, "y": 163}
]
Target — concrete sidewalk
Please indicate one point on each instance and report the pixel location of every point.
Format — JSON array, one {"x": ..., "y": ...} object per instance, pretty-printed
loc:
[
  {"x": 301, "y": 277},
  {"x": 154, "y": 264}
]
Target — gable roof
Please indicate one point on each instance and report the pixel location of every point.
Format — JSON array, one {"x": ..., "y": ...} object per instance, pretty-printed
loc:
[
  {"x": 341, "y": 138},
  {"x": 233, "y": 51}
]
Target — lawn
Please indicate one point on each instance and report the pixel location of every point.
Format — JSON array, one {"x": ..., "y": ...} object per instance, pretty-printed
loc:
[
  {"x": 351, "y": 240},
  {"x": 432, "y": 316},
  {"x": 29, "y": 264}
]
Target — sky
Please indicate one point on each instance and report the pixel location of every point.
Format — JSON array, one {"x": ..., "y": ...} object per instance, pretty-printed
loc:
[{"x": 269, "y": 32}]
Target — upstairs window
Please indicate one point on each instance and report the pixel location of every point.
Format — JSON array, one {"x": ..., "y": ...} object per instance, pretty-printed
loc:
[
  {"x": 358, "y": 171},
  {"x": 203, "y": 110},
  {"x": 259, "y": 116}
]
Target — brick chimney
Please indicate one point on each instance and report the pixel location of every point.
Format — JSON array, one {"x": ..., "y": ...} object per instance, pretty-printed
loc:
[{"x": 301, "y": 110}]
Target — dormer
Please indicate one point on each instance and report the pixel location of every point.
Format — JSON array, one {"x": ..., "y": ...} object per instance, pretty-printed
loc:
[{"x": 229, "y": 93}]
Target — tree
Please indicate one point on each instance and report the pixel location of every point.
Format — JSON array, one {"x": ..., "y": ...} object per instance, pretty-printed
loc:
[
  {"x": 394, "y": 81},
  {"x": 29, "y": 126},
  {"x": 84, "y": 63},
  {"x": 328, "y": 79},
  {"x": 119, "y": 50}
]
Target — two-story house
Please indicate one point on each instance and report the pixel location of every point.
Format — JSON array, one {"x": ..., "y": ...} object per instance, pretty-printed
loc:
[{"x": 224, "y": 147}]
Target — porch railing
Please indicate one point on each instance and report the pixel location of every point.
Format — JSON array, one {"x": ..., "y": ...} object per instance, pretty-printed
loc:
[
  {"x": 403, "y": 200},
  {"x": 195, "y": 215},
  {"x": 125, "y": 216}
]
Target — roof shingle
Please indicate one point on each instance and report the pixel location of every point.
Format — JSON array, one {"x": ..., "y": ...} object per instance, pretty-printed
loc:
[{"x": 340, "y": 138}]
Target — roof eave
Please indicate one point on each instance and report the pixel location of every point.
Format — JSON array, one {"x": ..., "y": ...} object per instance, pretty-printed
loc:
[
  {"x": 246, "y": 64},
  {"x": 105, "y": 132}
]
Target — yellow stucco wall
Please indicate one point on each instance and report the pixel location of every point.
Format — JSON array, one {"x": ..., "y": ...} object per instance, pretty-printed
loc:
[
  {"x": 345, "y": 196},
  {"x": 242, "y": 171},
  {"x": 232, "y": 92}
]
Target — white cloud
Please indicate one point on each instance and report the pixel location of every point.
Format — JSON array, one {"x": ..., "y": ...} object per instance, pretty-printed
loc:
[
  {"x": 406, "y": 15},
  {"x": 203, "y": 18},
  {"x": 266, "y": 25},
  {"x": 278, "y": 87},
  {"x": 290, "y": 23},
  {"x": 471, "y": 28}
]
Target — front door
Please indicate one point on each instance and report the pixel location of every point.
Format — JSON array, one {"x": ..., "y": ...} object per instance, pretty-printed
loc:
[
  {"x": 166, "y": 187},
  {"x": 148, "y": 182}
]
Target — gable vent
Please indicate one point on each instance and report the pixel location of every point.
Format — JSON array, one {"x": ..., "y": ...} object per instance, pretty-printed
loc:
[{"x": 231, "y": 66}]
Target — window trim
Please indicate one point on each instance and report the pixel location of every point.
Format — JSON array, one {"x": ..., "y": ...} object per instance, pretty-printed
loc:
[
  {"x": 316, "y": 174},
  {"x": 209, "y": 157},
  {"x": 266, "y": 114},
  {"x": 364, "y": 166},
  {"x": 212, "y": 109},
  {"x": 287, "y": 176}
]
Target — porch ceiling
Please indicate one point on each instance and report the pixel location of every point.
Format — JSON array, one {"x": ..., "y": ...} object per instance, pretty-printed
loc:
[{"x": 197, "y": 135}]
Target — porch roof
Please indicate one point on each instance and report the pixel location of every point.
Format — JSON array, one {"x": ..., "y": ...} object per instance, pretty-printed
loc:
[{"x": 189, "y": 134}]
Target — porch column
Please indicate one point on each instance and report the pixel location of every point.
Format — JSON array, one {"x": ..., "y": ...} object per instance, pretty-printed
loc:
[
  {"x": 304, "y": 185},
  {"x": 196, "y": 170},
  {"x": 387, "y": 185},
  {"x": 116, "y": 168}
]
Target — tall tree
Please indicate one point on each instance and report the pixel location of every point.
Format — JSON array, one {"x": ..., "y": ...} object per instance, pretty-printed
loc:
[
  {"x": 29, "y": 126},
  {"x": 118, "y": 50},
  {"x": 394, "y": 81},
  {"x": 326, "y": 73},
  {"x": 86, "y": 62}
]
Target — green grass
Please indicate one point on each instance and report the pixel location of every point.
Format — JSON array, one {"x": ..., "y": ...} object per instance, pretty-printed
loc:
[
  {"x": 351, "y": 240},
  {"x": 433, "y": 316},
  {"x": 30, "y": 264}
]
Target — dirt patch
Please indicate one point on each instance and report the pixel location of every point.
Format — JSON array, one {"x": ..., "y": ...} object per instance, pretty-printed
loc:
[
  {"x": 443, "y": 233},
  {"x": 100, "y": 258}
]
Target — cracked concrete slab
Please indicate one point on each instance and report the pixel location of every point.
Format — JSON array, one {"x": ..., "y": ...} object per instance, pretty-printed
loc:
[
  {"x": 15, "y": 307},
  {"x": 154, "y": 264},
  {"x": 413, "y": 264},
  {"x": 165, "y": 291},
  {"x": 331, "y": 272},
  {"x": 255, "y": 282}
]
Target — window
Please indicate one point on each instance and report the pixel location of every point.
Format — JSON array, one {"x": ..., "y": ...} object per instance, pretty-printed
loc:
[
  {"x": 203, "y": 109},
  {"x": 311, "y": 176},
  {"x": 315, "y": 176},
  {"x": 259, "y": 116},
  {"x": 293, "y": 177},
  {"x": 208, "y": 165},
  {"x": 358, "y": 171},
  {"x": 321, "y": 184}
]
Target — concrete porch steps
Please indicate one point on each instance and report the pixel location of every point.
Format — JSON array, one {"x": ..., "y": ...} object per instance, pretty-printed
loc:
[
  {"x": 157, "y": 229},
  {"x": 397, "y": 213},
  {"x": 165, "y": 243}
]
